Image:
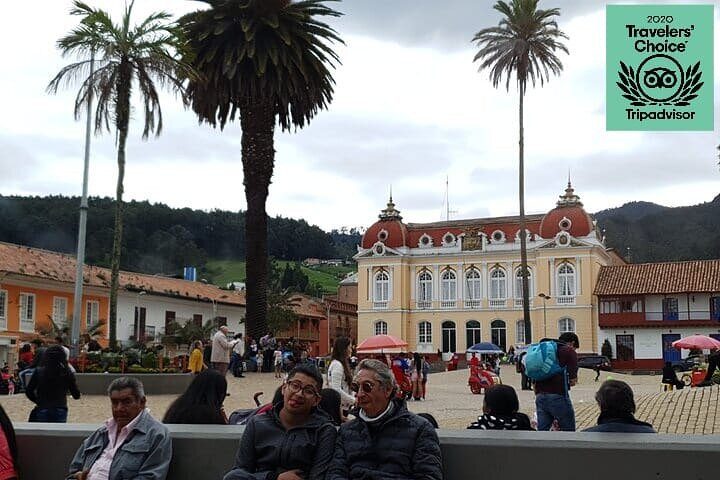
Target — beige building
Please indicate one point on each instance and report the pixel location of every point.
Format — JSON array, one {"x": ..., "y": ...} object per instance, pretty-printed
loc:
[{"x": 448, "y": 285}]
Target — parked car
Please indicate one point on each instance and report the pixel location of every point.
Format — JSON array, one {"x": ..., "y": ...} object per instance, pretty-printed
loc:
[
  {"x": 685, "y": 364},
  {"x": 594, "y": 361}
]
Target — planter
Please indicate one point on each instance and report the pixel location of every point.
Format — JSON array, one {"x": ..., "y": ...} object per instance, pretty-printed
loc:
[{"x": 154, "y": 383}]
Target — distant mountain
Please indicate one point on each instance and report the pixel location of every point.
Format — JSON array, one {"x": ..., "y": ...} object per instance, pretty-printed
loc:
[{"x": 647, "y": 232}]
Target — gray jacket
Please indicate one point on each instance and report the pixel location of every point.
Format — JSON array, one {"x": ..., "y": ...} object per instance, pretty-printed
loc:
[
  {"x": 267, "y": 449},
  {"x": 145, "y": 454}
]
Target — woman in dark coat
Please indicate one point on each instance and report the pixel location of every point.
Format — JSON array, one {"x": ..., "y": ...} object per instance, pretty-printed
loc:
[
  {"x": 202, "y": 402},
  {"x": 49, "y": 386}
]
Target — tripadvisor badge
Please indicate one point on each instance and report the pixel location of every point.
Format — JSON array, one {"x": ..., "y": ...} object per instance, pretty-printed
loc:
[{"x": 659, "y": 67}]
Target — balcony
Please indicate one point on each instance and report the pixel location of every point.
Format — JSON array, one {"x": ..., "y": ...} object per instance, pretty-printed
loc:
[
  {"x": 448, "y": 303},
  {"x": 473, "y": 303},
  {"x": 382, "y": 305},
  {"x": 424, "y": 304},
  {"x": 569, "y": 300},
  {"x": 497, "y": 303},
  {"x": 518, "y": 302},
  {"x": 693, "y": 318}
]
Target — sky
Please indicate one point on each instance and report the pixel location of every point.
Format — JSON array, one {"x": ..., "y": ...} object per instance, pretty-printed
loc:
[{"x": 410, "y": 111}]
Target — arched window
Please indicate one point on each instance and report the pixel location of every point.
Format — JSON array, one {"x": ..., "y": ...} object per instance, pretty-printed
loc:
[
  {"x": 566, "y": 280},
  {"x": 424, "y": 332},
  {"x": 425, "y": 282},
  {"x": 520, "y": 331},
  {"x": 448, "y": 288},
  {"x": 382, "y": 288},
  {"x": 381, "y": 327},
  {"x": 566, "y": 325},
  {"x": 472, "y": 333},
  {"x": 498, "y": 333},
  {"x": 498, "y": 290},
  {"x": 448, "y": 337},
  {"x": 518, "y": 286},
  {"x": 473, "y": 284}
]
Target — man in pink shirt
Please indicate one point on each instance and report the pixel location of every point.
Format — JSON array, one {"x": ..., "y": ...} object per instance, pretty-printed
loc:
[{"x": 131, "y": 444}]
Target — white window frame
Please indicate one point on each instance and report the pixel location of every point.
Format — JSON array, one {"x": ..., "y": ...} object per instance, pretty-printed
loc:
[
  {"x": 380, "y": 327},
  {"x": 473, "y": 329},
  {"x": 498, "y": 287},
  {"x": 3, "y": 309},
  {"x": 27, "y": 319},
  {"x": 566, "y": 324},
  {"x": 425, "y": 333},
  {"x": 381, "y": 289},
  {"x": 520, "y": 331},
  {"x": 473, "y": 287},
  {"x": 92, "y": 312},
  {"x": 566, "y": 283},
  {"x": 518, "y": 287},
  {"x": 425, "y": 286},
  {"x": 150, "y": 333},
  {"x": 59, "y": 312},
  {"x": 448, "y": 288}
]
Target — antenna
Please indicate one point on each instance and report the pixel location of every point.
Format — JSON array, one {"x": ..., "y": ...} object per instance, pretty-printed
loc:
[{"x": 446, "y": 202}]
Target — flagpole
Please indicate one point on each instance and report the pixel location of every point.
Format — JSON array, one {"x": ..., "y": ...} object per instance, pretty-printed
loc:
[{"x": 77, "y": 304}]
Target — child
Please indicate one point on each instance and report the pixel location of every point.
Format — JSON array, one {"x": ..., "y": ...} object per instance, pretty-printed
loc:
[{"x": 500, "y": 411}]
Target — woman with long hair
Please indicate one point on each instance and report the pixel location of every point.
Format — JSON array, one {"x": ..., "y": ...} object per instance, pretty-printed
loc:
[
  {"x": 416, "y": 377},
  {"x": 202, "y": 402},
  {"x": 8, "y": 448},
  {"x": 338, "y": 374},
  {"x": 49, "y": 385}
]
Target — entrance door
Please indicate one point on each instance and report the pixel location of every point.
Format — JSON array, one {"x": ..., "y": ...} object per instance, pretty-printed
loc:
[
  {"x": 448, "y": 337},
  {"x": 670, "y": 354}
]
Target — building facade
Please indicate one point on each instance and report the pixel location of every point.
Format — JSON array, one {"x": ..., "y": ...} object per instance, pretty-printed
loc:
[
  {"x": 342, "y": 320},
  {"x": 643, "y": 308},
  {"x": 445, "y": 286}
]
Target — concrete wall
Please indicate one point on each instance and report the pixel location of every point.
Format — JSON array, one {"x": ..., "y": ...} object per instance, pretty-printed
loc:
[{"x": 206, "y": 452}]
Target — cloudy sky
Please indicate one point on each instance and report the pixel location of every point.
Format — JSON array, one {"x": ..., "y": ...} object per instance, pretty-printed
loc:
[{"x": 410, "y": 109}]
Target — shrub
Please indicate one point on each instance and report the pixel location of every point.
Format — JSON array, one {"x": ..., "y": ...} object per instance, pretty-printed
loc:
[{"x": 149, "y": 360}]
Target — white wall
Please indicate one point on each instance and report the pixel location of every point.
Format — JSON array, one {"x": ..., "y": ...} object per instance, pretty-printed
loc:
[
  {"x": 648, "y": 341},
  {"x": 155, "y": 307}
]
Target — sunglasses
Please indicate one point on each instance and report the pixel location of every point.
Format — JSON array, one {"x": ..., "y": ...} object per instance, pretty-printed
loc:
[
  {"x": 366, "y": 386},
  {"x": 296, "y": 386}
]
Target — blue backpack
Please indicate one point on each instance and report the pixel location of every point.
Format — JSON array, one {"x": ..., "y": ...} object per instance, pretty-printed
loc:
[{"x": 541, "y": 360}]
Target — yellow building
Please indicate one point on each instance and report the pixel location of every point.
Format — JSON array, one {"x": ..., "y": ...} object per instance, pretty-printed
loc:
[{"x": 448, "y": 285}]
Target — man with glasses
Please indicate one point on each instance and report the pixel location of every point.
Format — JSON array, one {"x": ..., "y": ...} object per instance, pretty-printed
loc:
[
  {"x": 385, "y": 440},
  {"x": 294, "y": 440}
]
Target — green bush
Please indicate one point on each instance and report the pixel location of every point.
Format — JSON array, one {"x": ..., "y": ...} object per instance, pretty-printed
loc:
[{"x": 149, "y": 360}]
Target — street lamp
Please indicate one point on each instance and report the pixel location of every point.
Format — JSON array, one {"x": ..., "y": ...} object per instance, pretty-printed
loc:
[
  {"x": 545, "y": 298},
  {"x": 137, "y": 315}
]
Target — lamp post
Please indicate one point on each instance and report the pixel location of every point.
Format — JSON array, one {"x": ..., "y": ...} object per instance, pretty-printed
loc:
[
  {"x": 137, "y": 315},
  {"x": 545, "y": 298}
]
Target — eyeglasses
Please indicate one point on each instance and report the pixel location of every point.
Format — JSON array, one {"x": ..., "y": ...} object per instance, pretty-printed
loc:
[
  {"x": 366, "y": 386},
  {"x": 296, "y": 386}
]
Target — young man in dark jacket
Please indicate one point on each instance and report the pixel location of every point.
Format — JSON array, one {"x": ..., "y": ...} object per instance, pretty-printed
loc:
[
  {"x": 385, "y": 440},
  {"x": 294, "y": 440},
  {"x": 617, "y": 409},
  {"x": 552, "y": 396}
]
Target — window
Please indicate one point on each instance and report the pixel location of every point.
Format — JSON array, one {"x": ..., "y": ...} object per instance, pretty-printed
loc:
[
  {"x": 198, "y": 319},
  {"x": 221, "y": 321},
  {"x": 520, "y": 331},
  {"x": 27, "y": 312},
  {"x": 449, "y": 344},
  {"x": 149, "y": 333},
  {"x": 498, "y": 333},
  {"x": 566, "y": 325},
  {"x": 381, "y": 289},
  {"x": 518, "y": 287},
  {"x": 625, "y": 347},
  {"x": 139, "y": 327},
  {"x": 381, "y": 327},
  {"x": 3, "y": 309},
  {"x": 424, "y": 289},
  {"x": 424, "y": 332},
  {"x": 169, "y": 321},
  {"x": 616, "y": 305},
  {"x": 566, "y": 281},
  {"x": 92, "y": 313},
  {"x": 473, "y": 284},
  {"x": 448, "y": 288},
  {"x": 670, "y": 309},
  {"x": 714, "y": 308},
  {"x": 59, "y": 313},
  {"x": 472, "y": 333},
  {"x": 497, "y": 284}
]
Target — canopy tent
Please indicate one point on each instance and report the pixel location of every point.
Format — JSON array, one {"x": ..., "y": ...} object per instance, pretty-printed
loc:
[{"x": 485, "y": 348}]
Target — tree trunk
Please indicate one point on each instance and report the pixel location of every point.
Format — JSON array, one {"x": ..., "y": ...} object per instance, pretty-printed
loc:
[
  {"x": 122, "y": 122},
  {"x": 523, "y": 239},
  {"x": 258, "y": 157}
]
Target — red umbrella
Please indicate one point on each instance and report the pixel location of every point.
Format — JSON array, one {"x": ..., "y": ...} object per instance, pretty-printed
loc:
[
  {"x": 697, "y": 341},
  {"x": 381, "y": 342}
]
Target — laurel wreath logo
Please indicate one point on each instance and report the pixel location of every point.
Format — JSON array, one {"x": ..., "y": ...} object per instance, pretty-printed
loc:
[{"x": 688, "y": 90}]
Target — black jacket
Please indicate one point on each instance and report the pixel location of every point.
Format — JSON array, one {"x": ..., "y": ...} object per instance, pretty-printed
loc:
[
  {"x": 267, "y": 449},
  {"x": 51, "y": 392},
  {"x": 627, "y": 424},
  {"x": 401, "y": 446}
]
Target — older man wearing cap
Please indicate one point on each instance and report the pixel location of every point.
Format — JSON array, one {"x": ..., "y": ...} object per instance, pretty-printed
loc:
[{"x": 221, "y": 347}]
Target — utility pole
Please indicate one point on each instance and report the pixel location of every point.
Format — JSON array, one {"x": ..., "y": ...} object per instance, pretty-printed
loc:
[{"x": 80, "y": 260}]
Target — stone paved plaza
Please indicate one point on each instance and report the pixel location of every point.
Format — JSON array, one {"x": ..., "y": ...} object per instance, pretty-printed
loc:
[{"x": 689, "y": 411}]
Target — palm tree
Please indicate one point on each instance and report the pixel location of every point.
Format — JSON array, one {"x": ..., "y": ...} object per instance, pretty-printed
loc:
[
  {"x": 523, "y": 45},
  {"x": 126, "y": 58},
  {"x": 265, "y": 61}
]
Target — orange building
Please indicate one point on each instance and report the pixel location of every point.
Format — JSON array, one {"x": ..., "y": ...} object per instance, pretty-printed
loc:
[
  {"x": 306, "y": 328},
  {"x": 341, "y": 319}
]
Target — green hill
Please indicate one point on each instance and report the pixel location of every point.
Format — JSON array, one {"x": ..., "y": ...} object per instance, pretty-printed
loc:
[{"x": 328, "y": 277}]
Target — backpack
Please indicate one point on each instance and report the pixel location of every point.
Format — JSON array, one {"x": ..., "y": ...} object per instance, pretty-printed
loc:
[{"x": 541, "y": 360}]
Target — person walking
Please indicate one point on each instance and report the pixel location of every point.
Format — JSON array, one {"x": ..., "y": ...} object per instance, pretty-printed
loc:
[
  {"x": 237, "y": 357},
  {"x": 49, "y": 385},
  {"x": 196, "y": 363},
  {"x": 425, "y": 375},
  {"x": 552, "y": 395},
  {"x": 415, "y": 376},
  {"x": 220, "y": 356}
]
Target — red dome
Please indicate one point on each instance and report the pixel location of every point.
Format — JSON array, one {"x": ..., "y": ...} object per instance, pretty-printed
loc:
[
  {"x": 394, "y": 233},
  {"x": 569, "y": 215}
]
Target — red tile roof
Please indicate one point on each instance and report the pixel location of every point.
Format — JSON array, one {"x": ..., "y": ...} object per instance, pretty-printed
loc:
[
  {"x": 659, "y": 278},
  {"x": 307, "y": 306},
  {"x": 47, "y": 265}
]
